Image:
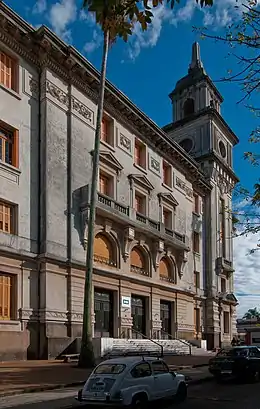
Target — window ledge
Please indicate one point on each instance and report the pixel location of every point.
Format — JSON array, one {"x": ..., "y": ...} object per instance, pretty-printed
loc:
[
  {"x": 107, "y": 145},
  {"x": 11, "y": 92},
  {"x": 9, "y": 172},
  {"x": 9, "y": 322},
  {"x": 140, "y": 168},
  {"x": 167, "y": 186}
]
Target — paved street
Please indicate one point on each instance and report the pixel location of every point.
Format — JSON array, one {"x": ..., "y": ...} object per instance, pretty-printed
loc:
[{"x": 228, "y": 396}]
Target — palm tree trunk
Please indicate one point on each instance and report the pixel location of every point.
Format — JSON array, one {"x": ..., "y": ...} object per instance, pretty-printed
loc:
[{"x": 87, "y": 358}]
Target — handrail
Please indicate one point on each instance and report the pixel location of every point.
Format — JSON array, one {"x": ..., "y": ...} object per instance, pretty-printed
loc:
[
  {"x": 177, "y": 339},
  {"x": 152, "y": 340}
]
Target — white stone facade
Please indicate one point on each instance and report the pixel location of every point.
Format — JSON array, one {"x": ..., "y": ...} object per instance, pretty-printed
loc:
[{"x": 51, "y": 110}]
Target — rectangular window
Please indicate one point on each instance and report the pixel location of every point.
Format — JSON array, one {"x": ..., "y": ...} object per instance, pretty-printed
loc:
[
  {"x": 8, "y": 70},
  {"x": 106, "y": 185},
  {"x": 106, "y": 131},
  {"x": 226, "y": 319},
  {"x": 140, "y": 204},
  {"x": 196, "y": 204},
  {"x": 196, "y": 242},
  {"x": 9, "y": 145},
  {"x": 222, "y": 233},
  {"x": 196, "y": 280},
  {"x": 140, "y": 154},
  {"x": 167, "y": 174},
  {"x": 7, "y": 218},
  {"x": 223, "y": 286},
  {"x": 167, "y": 218},
  {"x": 6, "y": 284}
]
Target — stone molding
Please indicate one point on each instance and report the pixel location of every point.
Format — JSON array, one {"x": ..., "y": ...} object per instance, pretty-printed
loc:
[
  {"x": 40, "y": 47},
  {"x": 63, "y": 98}
]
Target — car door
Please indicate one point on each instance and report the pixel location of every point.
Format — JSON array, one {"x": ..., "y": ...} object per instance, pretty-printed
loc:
[
  {"x": 254, "y": 357},
  {"x": 142, "y": 374},
  {"x": 164, "y": 381}
]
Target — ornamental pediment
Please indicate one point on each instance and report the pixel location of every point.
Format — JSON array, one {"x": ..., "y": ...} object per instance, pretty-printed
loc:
[
  {"x": 142, "y": 181},
  {"x": 110, "y": 160},
  {"x": 169, "y": 198}
]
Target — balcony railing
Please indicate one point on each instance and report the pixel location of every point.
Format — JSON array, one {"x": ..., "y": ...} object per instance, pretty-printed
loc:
[
  {"x": 107, "y": 201},
  {"x": 104, "y": 260},
  {"x": 138, "y": 270},
  {"x": 167, "y": 278},
  {"x": 140, "y": 218}
]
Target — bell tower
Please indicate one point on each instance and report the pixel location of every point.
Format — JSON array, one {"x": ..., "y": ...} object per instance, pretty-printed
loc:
[{"x": 202, "y": 132}]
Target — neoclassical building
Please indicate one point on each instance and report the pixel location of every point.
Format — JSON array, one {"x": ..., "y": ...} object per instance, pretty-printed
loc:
[{"x": 163, "y": 258}]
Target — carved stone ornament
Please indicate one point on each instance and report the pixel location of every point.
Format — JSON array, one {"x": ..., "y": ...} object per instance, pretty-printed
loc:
[
  {"x": 63, "y": 98},
  {"x": 181, "y": 260},
  {"x": 125, "y": 143},
  {"x": 158, "y": 248},
  {"x": 129, "y": 236}
]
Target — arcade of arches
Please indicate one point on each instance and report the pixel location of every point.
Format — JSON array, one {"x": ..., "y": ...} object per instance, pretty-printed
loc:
[
  {"x": 142, "y": 303},
  {"x": 103, "y": 251}
]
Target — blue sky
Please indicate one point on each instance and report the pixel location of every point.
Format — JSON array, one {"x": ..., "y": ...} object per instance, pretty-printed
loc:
[{"x": 146, "y": 70}]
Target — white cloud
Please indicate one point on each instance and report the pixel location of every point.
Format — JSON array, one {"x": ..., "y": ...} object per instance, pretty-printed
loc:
[
  {"x": 95, "y": 43},
  {"x": 62, "y": 14},
  {"x": 40, "y": 7},
  {"x": 247, "y": 269}
]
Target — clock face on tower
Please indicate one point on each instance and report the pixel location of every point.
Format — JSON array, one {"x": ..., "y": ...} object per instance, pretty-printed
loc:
[{"x": 186, "y": 144}]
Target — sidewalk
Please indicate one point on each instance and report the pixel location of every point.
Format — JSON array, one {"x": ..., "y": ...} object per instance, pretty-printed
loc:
[{"x": 34, "y": 376}]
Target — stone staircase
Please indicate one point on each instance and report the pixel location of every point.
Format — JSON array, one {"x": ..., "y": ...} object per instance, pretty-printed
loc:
[{"x": 121, "y": 346}]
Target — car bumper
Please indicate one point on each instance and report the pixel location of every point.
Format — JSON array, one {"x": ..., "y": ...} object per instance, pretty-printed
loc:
[{"x": 98, "y": 402}]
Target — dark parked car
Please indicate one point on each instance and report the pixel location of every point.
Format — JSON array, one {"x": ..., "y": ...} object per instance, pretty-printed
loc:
[{"x": 241, "y": 362}]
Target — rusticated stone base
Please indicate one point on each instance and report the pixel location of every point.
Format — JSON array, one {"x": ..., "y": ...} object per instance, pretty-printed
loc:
[{"x": 14, "y": 345}]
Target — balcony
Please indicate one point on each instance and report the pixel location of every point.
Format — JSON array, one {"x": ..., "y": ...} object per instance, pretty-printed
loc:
[
  {"x": 224, "y": 264},
  {"x": 107, "y": 206},
  {"x": 139, "y": 270},
  {"x": 109, "y": 202}
]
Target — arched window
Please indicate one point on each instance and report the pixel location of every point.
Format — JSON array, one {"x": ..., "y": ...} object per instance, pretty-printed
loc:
[
  {"x": 188, "y": 107},
  {"x": 103, "y": 251},
  {"x": 167, "y": 270},
  {"x": 137, "y": 261}
]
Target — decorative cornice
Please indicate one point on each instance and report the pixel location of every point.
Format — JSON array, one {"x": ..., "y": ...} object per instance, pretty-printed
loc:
[
  {"x": 142, "y": 181},
  {"x": 43, "y": 48}
]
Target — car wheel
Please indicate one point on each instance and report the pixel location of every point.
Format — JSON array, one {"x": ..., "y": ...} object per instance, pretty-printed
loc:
[
  {"x": 181, "y": 394},
  {"x": 218, "y": 378},
  {"x": 139, "y": 401},
  {"x": 253, "y": 376}
]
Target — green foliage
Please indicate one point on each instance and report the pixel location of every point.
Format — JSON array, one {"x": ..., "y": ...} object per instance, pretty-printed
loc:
[
  {"x": 252, "y": 313},
  {"x": 118, "y": 17},
  {"x": 243, "y": 39}
]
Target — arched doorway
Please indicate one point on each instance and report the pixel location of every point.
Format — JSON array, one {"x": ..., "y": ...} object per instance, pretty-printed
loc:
[
  {"x": 103, "y": 251},
  {"x": 138, "y": 263}
]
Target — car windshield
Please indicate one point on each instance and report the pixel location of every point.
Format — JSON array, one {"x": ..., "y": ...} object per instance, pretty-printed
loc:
[
  {"x": 109, "y": 369},
  {"x": 233, "y": 352}
]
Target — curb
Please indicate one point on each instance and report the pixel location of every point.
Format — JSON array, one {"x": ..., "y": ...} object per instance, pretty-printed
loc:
[{"x": 80, "y": 383}]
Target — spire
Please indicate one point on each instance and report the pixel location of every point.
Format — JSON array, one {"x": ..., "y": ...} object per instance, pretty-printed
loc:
[{"x": 196, "y": 60}]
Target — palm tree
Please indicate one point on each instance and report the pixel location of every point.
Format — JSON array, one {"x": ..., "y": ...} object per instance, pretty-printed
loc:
[{"x": 117, "y": 19}]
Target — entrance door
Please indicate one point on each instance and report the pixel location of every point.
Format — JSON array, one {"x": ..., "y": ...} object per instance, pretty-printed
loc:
[
  {"x": 138, "y": 315},
  {"x": 103, "y": 306},
  {"x": 196, "y": 322},
  {"x": 166, "y": 318}
]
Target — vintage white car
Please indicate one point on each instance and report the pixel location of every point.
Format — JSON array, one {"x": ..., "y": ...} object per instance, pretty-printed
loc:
[{"x": 132, "y": 382}]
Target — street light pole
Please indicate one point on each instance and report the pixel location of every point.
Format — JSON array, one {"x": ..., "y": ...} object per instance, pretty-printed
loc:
[{"x": 87, "y": 358}]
